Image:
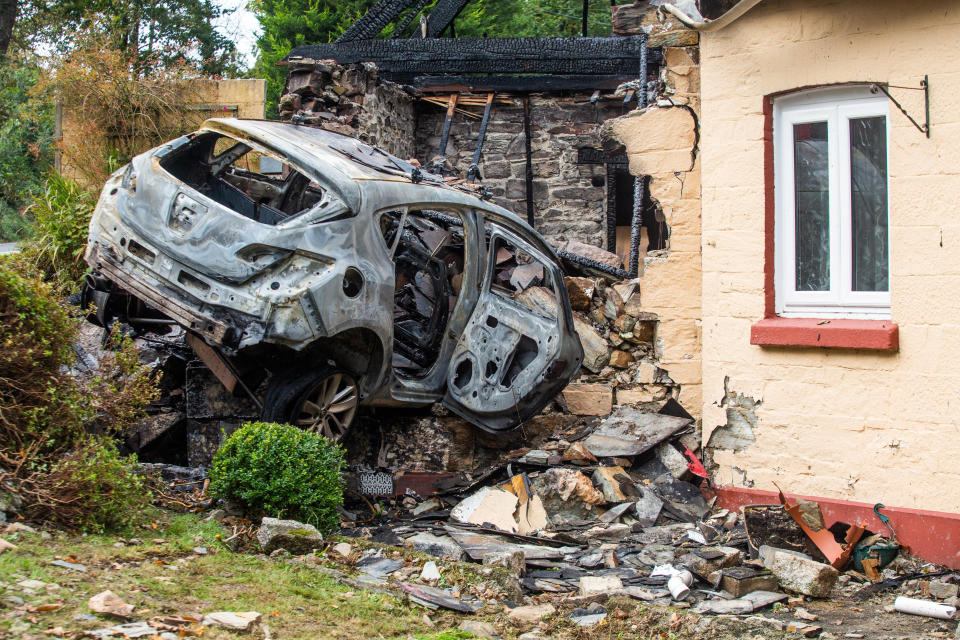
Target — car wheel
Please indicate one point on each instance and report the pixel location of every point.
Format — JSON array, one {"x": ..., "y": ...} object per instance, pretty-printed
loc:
[{"x": 324, "y": 401}]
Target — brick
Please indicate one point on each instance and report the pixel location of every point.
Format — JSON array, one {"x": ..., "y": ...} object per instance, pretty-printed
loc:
[{"x": 589, "y": 399}]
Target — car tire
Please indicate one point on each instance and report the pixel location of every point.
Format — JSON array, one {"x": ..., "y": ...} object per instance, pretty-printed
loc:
[{"x": 323, "y": 400}]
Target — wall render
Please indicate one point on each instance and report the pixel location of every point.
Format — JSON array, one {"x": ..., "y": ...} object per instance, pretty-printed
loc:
[{"x": 859, "y": 425}]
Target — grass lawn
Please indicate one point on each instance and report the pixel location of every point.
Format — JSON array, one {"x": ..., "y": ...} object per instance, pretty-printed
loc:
[{"x": 157, "y": 570}]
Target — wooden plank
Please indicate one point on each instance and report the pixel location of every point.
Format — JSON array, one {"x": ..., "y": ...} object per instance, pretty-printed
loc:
[{"x": 443, "y": 14}]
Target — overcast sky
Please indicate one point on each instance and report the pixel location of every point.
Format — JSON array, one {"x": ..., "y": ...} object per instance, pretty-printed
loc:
[{"x": 241, "y": 26}]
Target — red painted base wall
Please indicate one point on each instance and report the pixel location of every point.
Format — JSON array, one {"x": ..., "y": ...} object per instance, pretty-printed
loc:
[{"x": 931, "y": 535}]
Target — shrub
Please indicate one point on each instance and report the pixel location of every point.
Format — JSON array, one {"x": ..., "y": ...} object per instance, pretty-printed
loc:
[
  {"x": 92, "y": 489},
  {"x": 41, "y": 410},
  {"x": 63, "y": 475},
  {"x": 282, "y": 471},
  {"x": 61, "y": 218},
  {"x": 26, "y": 140}
]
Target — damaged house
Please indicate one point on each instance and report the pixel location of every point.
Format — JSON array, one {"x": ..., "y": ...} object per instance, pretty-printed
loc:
[{"x": 790, "y": 159}]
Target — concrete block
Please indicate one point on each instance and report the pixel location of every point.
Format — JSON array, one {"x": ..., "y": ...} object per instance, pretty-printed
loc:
[{"x": 797, "y": 572}]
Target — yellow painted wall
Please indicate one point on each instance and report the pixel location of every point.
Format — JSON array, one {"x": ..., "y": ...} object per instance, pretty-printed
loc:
[
  {"x": 661, "y": 142},
  {"x": 247, "y": 94},
  {"x": 848, "y": 424}
]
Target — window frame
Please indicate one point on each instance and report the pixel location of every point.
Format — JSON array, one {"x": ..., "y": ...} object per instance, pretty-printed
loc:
[{"x": 837, "y": 106}]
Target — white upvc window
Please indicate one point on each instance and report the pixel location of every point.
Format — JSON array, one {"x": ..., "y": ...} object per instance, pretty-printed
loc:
[{"x": 832, "y": 242}]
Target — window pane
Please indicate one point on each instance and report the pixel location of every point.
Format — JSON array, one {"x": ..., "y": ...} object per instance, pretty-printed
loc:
[
  {"x": 868, "y": 176},
  {"x": 812, "y": 185}
]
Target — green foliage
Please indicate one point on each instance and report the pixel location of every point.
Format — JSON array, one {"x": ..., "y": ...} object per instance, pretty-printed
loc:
[
  {"x": 41, "y": 410},
  {"x": 531, "y": 18},
  {"x": 164, "y": 34},
  {"x": 282, "y": 471},
  {"x": 26, "y": 142},
  {"x": 61, "y": 217},
  {"x": 93, "y": 489}
]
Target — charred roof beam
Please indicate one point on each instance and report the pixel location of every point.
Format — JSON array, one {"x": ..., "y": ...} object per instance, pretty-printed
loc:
[
  {"x": 373, "y": 21},
  {"x": 443, "y": 16},
  {"x": 614, "y": 56}
]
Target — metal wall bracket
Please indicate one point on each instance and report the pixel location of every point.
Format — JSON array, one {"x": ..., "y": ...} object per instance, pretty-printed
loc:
[{"x": 925, "y": 87}]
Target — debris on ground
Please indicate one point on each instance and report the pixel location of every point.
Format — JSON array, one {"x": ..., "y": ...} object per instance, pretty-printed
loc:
[
  {"x": 108, "y": 602},
  {"x": 292, "y": 536},
  {"x": 241, "y": 621}
]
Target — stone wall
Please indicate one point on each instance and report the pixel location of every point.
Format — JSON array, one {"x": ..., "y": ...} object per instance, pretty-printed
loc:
[
  {"x": 569, "y": 198},
  {"x": 349, "y": 100}
]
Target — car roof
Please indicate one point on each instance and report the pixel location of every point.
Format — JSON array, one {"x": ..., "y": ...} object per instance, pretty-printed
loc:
[{"x": 355, "y": 169}]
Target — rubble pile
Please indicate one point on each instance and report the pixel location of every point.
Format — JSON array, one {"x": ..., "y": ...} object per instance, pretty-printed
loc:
[
  {"x": 600, "y": 512},
  {"x": 619, "y": 344}
]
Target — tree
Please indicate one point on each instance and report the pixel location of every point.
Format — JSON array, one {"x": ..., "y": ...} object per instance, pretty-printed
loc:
[
  {"x": 8, "y": 18},
  {"x": 165, "y": 32},
  {"x": 26, "y": 141},
  {"x": 286, "y": 24}
]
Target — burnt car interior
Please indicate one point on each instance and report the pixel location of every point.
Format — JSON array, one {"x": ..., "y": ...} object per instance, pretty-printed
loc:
[
  {"x": 429, "y": 256},
  {"x": 231, "y": 173},
  {"x": 514, "y": 272}
]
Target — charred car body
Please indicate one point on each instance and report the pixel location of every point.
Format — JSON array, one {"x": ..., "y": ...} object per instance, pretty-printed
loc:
[{"x": 317, "y": 273}]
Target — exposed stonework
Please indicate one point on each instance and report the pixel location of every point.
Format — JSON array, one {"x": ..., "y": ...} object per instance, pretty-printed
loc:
[
  {"x": 738, "y": 433},
  {"x": 570, "y": 199},
  {"x": 349, "y": 100}
]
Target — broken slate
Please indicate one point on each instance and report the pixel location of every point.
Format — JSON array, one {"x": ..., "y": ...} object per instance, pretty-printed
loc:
[
  {"x": 630, "y": 432},
  {"x": 746, "y": 604},
  {"x": 73, "y": 566},
  {"x": 378, "y": 567},
  {"x": 648, "y": 507},
  {"x": 613, "y": 513},
  {"x": 439, "y": 546},
  {"x": 434, "y": 598},
  {"x": 129, "y": 630},
  {"x": 479, "y": 545}
]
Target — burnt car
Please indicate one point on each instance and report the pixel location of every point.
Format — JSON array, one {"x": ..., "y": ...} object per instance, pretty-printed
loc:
[{"x": 317, "y": 273}]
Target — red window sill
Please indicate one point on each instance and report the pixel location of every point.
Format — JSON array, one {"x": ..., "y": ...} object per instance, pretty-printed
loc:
[{"x": 880, "y": 335}]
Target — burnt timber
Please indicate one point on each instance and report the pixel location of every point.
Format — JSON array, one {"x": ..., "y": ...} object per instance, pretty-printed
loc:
[
  {"x": 614, "y": 56},
  {"x": 374, "y": 20},
  {"x": 443, "y": 15}
]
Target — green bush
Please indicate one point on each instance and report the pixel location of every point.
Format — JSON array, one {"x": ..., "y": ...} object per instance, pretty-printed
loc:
[
  {"x": 41, "y": 410},
  {"x": 281, "y": 471},
  {"x": 63, "y": 475},
  {"x": 61, "y": 219},
  {"x": 93, "y": 489}
]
